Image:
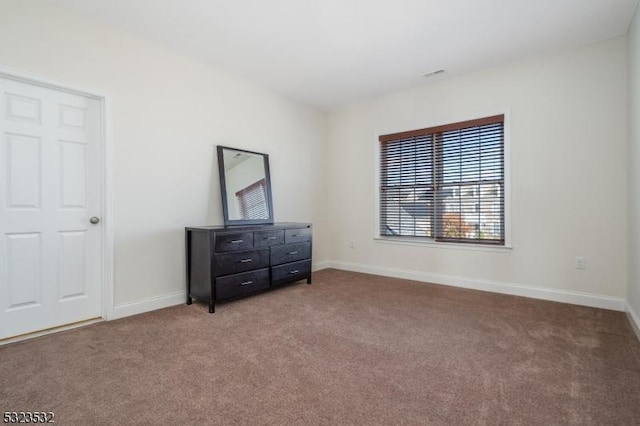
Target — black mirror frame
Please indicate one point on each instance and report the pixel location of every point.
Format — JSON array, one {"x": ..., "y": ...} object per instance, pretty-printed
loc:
[{"x": 223, "y": 190}]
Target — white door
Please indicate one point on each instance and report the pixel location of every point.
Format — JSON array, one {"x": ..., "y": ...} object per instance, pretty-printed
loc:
[{"x": 50, "y": 187}]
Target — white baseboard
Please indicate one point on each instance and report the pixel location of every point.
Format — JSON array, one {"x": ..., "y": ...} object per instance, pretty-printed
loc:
[
  {"x": 634, "y": 319},
  {"x": 150, "y": 304},
  {"x": 324, "y": 264},
  {"x": 575, "y": 298},
  {"x": 158, "y": 302}
]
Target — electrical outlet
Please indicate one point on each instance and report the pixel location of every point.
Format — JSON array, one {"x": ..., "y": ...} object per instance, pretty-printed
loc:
[
  {"x": 580, "y": 262},
  {"x": 352, "y": 244}
]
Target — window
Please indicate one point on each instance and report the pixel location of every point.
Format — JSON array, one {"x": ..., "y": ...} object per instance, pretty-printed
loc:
[
  {"x": 444, "y": 183},
  {"x": 252, "y": 201}
]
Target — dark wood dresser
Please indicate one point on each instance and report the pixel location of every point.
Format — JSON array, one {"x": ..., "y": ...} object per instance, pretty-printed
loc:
[{"x": 224, "y": 263}]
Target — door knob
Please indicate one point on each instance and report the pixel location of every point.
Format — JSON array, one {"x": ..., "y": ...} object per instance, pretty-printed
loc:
[{"x": 94, "y": 220}]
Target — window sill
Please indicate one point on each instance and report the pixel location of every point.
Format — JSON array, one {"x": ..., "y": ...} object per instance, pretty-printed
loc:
[{"x": 441, "y": 245}]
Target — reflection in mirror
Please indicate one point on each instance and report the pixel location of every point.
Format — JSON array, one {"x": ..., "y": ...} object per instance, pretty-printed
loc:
[{"x": 245, "y": 186}]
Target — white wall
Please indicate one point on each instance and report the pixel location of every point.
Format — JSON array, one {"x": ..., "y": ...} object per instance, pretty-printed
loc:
[
  {"x": 633, "y": 294},
  {"x": 568, "y": 118},
  {"x": 169, "y": 112}
]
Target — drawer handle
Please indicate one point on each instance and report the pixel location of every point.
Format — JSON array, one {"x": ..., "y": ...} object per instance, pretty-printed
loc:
[
  {"x": 246, "y": 283},
  {"x": 235, "y": 241},
  {"x": 293, "y": 252},
  {"x": 269, "y": 238},
  {"x": 295, "y": 271},
  {"x": 246, "y": 260},
  {"x": 294, "y": 235}
]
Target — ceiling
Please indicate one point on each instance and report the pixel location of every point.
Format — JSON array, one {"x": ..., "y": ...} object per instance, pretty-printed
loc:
[{"x": 327, "y": 53}]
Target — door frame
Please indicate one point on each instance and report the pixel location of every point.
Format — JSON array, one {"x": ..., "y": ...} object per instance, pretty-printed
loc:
[{"x": 106, "y": 156}]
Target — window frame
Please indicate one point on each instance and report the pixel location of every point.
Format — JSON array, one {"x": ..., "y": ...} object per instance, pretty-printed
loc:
[{"x": 427, "y": 241}]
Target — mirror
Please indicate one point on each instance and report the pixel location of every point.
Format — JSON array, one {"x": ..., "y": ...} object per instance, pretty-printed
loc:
[{"x": 245, "y": 186}]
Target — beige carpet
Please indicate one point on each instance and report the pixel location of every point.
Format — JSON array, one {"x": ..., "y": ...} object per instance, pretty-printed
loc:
[{"x": 350, "y": 349}]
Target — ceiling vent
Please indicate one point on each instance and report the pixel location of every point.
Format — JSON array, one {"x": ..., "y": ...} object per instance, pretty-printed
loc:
[{"x": 432, "y": 73}]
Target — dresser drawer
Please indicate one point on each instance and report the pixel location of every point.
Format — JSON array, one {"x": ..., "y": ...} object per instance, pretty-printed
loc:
[
  {"x": 241, "y": 284},
  {"x": 290, "y": 272},
  {"x": 234, "y": 241},
  {"x": 297, "y": 235},
  {"x": 290, "y": 253},
  {"x": 268, "y": 238},
  {"x": 233, "y": 263}
]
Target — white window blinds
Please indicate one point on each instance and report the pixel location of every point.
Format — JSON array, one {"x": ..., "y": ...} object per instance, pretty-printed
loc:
[{"x": 252, "y": 201}]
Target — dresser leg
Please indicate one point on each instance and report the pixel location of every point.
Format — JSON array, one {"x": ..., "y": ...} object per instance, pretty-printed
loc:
[
  {"x": 212, "y": 307},
  {"x": 309, "y": 279},
  {"x": 189, "y": 300}
]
